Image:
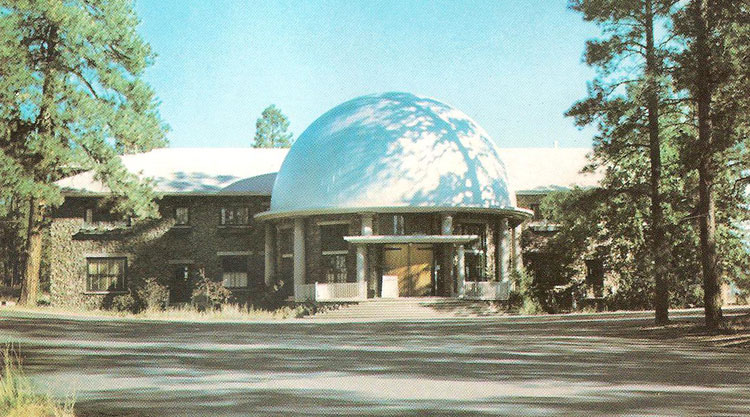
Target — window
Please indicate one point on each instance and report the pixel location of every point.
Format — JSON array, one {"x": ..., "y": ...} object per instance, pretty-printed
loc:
[
  {"x": 392, "y": 225},
  {"x": 234, "y": 271},
  {"x": 475, "y": 258},
  {"x": 400, "y": 224},
  {"x": 105, "y": 274},
  {"x": 536, "y": 208},
  {"x": 181, "y": 216},
  {"x": 286, "y": 250},
  {"x": 235, "y": 216},
  {"x": 334, "y": 250},
  {"x": 88, "y": 216}
]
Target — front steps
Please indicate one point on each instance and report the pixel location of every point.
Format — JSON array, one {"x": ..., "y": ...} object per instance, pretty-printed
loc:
[{"x": 428, "y": 308}]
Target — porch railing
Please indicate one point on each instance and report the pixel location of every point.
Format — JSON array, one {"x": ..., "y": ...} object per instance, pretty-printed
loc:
[
  {"x": 339, "y": 291},
  {"x": 487, "y": 290}
]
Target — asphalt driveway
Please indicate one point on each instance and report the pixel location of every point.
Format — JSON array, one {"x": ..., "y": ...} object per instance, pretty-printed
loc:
[{"x": 521, "y": 366}]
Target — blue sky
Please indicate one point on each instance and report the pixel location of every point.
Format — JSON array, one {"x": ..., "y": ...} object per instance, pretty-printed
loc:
[{"x": 514, "y": 66}]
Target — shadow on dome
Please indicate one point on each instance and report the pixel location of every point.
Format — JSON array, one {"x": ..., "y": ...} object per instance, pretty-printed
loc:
[{"x": 394, "y": 149}]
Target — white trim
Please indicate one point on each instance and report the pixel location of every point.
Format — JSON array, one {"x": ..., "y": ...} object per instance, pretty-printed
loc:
[
  {"x": 334, "y": 252},
  {"x": 411, "y": 239},
  {"x": 234, "y": 253},
  {"x": 108, "y": 255},
  {"x": 180, "y": 262},
  {"x": 469, "y": 221},
  {"x": 516, "y": 212},
  {"x": 332, "y": 222},
  {"x": 160, "y": 194},
  {"x": 104, "y": 292}
]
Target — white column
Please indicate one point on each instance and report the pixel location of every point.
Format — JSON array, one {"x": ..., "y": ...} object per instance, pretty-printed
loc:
[
  {"x": 269, "y": 271},
  {"x": 362, "y": 249},
  {"x": 517, "y": 253},
  {"x": 446, "y": 267},
  {"x": 446, "y": 224},
  {"x": 503, "y": 250},
  {"x": 366, "y": 225},
  {"x": 299, "y": 251},
  {"x": 461, "y": 270},
  {"x": 361, "y": 263}
]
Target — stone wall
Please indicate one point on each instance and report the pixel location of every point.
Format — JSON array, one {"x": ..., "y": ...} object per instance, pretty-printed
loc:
[{"x": 149, "y": 245}]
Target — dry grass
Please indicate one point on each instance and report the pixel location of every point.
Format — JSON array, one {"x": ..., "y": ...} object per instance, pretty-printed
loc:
[
  {"x": 18, "y": 398},
  {"x": 229, "y": 312}
]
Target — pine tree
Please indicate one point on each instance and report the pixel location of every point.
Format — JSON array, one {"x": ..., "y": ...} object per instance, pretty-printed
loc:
[
  {"x": 626, "y": 101},
  {"x": 715, "y": 71},
  {"x": 271, "y": 129},
  {"x": 72, "y": 98}
]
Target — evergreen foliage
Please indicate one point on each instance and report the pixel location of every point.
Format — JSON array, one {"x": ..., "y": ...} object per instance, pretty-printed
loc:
[
  {"x": 696, "y": 82},
  {"x": 72, "y": 98},
  {"x": 628, "y": 102},
  {"x": 271, "y": 129}
]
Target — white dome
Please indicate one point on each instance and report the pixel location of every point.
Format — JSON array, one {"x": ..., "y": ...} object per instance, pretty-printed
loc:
[{"x": 388, "y": 151}]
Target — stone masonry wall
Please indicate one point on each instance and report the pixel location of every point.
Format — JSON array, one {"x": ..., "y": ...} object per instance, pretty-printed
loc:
[{"x": 149, "y": 245}]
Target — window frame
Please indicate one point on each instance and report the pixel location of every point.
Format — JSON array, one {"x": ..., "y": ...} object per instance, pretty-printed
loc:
[
  {"x": 101, "y": 259},
  {"x": 177, "y": 216},
  {"x": 88, "y": 215},
  {"x": 334, "y": 253},
  {"x": 223, "y": 216},
  {"x": 477, "y": 248},
  {"x": 235, "y": 274}
]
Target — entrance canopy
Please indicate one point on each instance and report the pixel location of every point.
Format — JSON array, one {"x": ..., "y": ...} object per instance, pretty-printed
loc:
[{"x": 411, "y": 239}]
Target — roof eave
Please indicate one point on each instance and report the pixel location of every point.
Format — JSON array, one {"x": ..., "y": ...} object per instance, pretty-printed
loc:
[{"x": 518, "y": 213}]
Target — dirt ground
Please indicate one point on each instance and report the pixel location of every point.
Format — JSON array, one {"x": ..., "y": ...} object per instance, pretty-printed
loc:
[{"x": 594, "y": 365}]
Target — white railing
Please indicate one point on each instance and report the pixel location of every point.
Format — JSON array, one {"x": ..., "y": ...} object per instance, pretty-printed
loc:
[
  {"x": 340, "y": 291},
  {"x": 487, "y": 290}
]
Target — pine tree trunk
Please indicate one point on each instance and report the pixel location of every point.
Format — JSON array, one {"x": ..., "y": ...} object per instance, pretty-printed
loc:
[
  {"x": 659, "y": 251},
  {"x": 45, "y": 129},
  {"x": 30, "y": 289},
  {"x": 706, "y": 172}
]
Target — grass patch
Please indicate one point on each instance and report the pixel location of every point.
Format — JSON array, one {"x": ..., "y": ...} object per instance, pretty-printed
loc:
[
  {"x": 188, "y": 312},
  {"x": 18, "y": 398}
]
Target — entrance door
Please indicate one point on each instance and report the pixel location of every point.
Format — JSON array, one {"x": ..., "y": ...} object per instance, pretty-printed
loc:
[
  {"x": 180, "y": 289},
  {"x": 412, "y": 264}
]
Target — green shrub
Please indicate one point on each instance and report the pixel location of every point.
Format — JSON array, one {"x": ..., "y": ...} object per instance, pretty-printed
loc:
[
  {"x": 526, "y": 297},
  {"x": 153, "y": 295},
  {"x": 125, "y": 303},
  {"x": 209, "y": 294},
  {"x": 43, "y": 299},
  {"x": 531, "y": 306}
]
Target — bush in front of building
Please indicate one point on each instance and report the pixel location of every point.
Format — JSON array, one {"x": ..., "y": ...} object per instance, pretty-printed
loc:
[
  {"x": 125, "y": 303},
  {"x": 272, "y": 297},
  {"x": 209, "y": 295},
  {"x": 152, "y": 295},
  {"x": 525, "y": 298}
]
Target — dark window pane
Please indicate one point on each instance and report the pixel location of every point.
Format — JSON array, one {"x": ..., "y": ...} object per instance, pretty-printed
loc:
[
  {"x": 234, "y": 263},
  {"x": 334, "y": 268},
  {"x": 332, "y": 237},
  {"x": 286, "y": 241}
]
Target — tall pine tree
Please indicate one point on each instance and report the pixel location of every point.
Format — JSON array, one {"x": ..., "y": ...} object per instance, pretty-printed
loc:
[
  {"x": 714, "y": 70},
  {"x": 72, "y": 98},
  {"x": 626, "y": 101}
]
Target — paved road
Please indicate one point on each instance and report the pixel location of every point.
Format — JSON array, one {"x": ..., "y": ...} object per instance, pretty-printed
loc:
[{"x": 537, "y": 366}]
